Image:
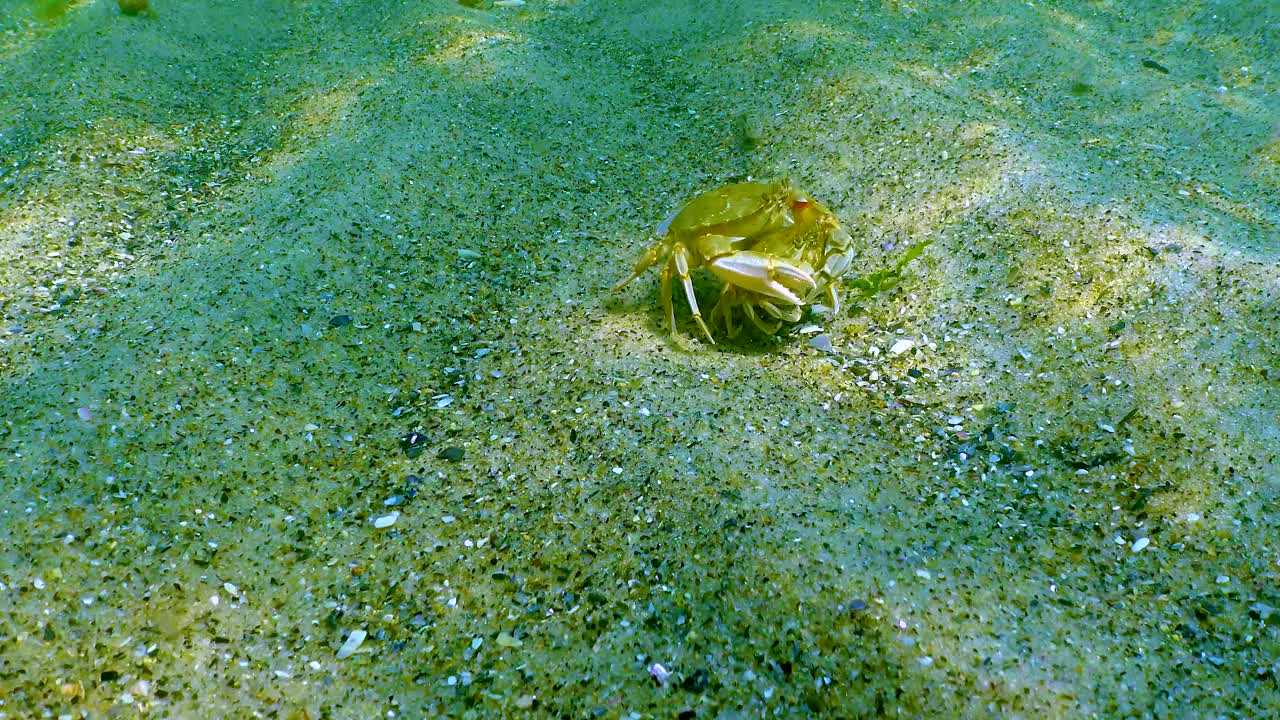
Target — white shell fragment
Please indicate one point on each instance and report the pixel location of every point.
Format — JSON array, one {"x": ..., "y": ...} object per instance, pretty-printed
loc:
[
  {"x": 351, "y": 644},
  {"x": 901, "y": 346}
]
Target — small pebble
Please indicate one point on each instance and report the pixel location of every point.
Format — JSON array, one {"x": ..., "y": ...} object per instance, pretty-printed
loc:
[
  {"x": 1140, "y": 544},
  {"x": 340, "y": 320},
  {"x": 452, "y": 454},
  {"x": 697, "y": 682},
  {"x": 901, "y": 346},
  {"x": 413, "y": 444},
  {"x": 821, "y": 343},
  {"x": 386, "y": 521},
  {"x": 507, "y": 640},
  {"x": 351, "y": 644}
]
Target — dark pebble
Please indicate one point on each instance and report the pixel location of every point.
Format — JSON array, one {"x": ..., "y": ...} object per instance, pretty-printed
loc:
[
  {"x": 697, "y": 682},
  {"x": 110, "y": 676},
  {"x": 857, "y": 606},
  {"x": 413, "y": 444},
  {"x": 452, "y": 454},
  {"x": 1153, "y": 65},
  {"x": 340, "y": 320}
]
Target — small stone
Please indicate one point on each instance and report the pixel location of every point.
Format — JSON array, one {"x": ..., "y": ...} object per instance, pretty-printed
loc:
[
  {"x": 452, "y": 454},
  {"x": 821, "y": 343},
  {"x": 351, "y": 644},
  {"x": 1140, "y": 544},
  {"x": 413, "y": 444},
  {"x": 386, "y": 521},
  {"x": 697, "y": 682},
  {"x": 507, "y": 640},
  {"x": 340, "y": 320},
  {"x": 524, "y": 702},
  {"x": 901, "y": 346}
]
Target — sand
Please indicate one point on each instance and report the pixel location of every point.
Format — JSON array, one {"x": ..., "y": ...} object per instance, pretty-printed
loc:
[{"x": 315, "y": 401}]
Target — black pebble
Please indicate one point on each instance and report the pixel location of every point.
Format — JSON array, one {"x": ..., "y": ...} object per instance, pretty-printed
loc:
[
  {"x": 452, "y": 454},
  {"x": 697, "y": 682},
  {"x": 340, "y": 320},
  {"x": 1153, "y": 65},
  {"x": 413, "y": 444}
]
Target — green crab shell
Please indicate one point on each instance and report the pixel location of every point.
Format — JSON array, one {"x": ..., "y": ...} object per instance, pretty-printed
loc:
[{"x": 741, "y": 210}]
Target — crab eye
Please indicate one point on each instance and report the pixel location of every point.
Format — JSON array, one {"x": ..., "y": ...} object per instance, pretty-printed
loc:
[{"x": 801, "y": 203}]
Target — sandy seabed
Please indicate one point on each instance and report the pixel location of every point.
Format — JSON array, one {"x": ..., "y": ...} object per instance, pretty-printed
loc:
[{"x": 315, "y": 401}]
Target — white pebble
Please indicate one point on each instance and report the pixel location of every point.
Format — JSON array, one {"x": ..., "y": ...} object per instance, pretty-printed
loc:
[
  {"x": 1140, "y": 544},
  {"x": 351, "y": 644},
  {"x": 901, "y": 346},
  {"x": 386, "y": 521}
]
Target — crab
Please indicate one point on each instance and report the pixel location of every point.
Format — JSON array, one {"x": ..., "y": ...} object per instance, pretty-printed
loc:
[
  {"x": 775, "y": 249},
  {"x": 817, "y": 245}
]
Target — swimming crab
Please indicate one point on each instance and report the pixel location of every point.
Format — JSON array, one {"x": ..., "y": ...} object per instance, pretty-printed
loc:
[{"x": 776, "y": 250}]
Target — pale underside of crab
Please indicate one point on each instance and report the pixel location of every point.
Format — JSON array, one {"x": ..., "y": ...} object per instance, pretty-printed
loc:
[{"x": 776, "y": 251}]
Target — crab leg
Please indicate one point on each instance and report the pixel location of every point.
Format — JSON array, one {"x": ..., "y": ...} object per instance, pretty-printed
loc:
[
  {"x": 680, "y": 261},
  {"x": 646, "y": 261}
]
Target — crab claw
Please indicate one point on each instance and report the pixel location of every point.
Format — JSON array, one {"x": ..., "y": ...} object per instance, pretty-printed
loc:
[{"x": 763, "y": 274}]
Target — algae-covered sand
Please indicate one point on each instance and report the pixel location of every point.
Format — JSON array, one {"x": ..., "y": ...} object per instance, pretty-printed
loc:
[{"x": 316, "y": 402}]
